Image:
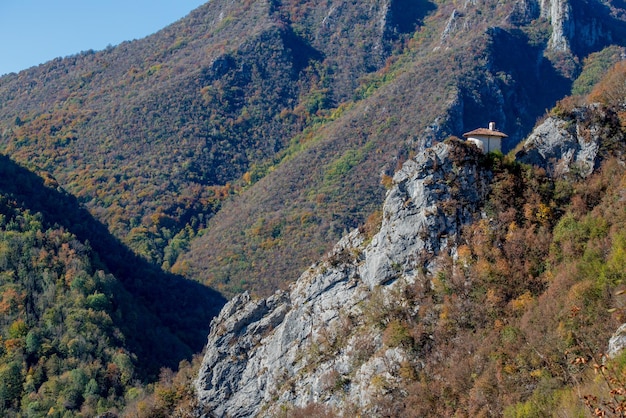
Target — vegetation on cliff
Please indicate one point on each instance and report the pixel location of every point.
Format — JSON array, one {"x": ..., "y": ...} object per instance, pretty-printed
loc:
[
  {"x": 514, "y": 321},
  {"x": 525, "y": 311}
]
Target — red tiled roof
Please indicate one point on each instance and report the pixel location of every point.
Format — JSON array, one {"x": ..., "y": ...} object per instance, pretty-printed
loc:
[{"x": 485, "y": 132}]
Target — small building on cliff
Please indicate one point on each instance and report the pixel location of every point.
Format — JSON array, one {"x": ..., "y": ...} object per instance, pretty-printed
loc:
[{"x": 487, "y": 139}]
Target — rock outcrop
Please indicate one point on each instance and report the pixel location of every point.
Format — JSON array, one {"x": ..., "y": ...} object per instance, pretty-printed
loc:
[
  {"x": 559, "y": 13},
  {"x": 617, "y": 343},
  {"x": 313, "y": 343},
  {"x": 571, "y": 142},
  {"x": 576, "y": 25}
]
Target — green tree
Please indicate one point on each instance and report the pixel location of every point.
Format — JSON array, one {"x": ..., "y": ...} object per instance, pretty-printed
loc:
[{"x": 11, "y": 383}]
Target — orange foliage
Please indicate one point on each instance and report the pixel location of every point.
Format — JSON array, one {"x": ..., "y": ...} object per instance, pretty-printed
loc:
[{"x": 611, "y": 90}]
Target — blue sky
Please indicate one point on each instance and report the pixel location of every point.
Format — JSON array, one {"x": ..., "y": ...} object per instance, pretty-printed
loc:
[{"x": 35, "y": 31}]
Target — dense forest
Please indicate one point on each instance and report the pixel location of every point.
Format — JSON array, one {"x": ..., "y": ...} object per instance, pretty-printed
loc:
[{"x": 82, "y": 324}]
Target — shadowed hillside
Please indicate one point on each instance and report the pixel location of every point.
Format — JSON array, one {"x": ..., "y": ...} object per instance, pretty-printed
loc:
[
  {"x": 171, "y": 313},
  {"x": 85, "y": 321}
]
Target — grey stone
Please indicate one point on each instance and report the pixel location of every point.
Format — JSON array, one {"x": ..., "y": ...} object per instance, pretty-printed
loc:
[
  {"x": 617, "y": 343},
  {"x": 564, "y": 145},
  {"x": 300, "y": 346},
  {"x": 314, "y": 342}
]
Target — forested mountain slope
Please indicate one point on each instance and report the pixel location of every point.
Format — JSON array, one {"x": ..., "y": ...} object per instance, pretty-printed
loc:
[
  {"x": 289, "y": 112},
  {"x": 453, "y": 75},
  {"x": 83, "y": 319},
  {"x": 147, "y": 134}
]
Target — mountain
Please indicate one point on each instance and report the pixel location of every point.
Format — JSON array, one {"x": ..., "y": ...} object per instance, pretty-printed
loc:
[
  {"x": 83, "y": 318},
  {"x": 236, "y": 145},
  {"x": 455, "y": 73},
  {"x": 486, "y": 288},
  {"x": 180, "y": 114},
  {"x": 291, "y": 345}
]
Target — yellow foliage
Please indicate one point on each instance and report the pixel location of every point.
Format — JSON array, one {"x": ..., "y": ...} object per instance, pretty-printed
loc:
[
  {"x": 444, "y": 314},
  {"x": 511, "y": 230},
  {"x": 407, "y": 371},
  {"x": 13, "y": 344},
  {"x": 464, "y": 252},
  {"x": 510, "y": 369},
  {"x": 502, "y": 267},
  {"x": 521, "y": 303},
  {"x": 181, "y": 268},
  {"x": 543, "y": 213},
  {"x": 483, "y": 268},
  {"x": 386, "y": 181},
  {"x": 378, "y": 382},
  {"x": 582, "y": 291},
  {"x": 494, "y": 298},
  {"x": 270, "y": 243},
  {"x": 549, "y": 276}
]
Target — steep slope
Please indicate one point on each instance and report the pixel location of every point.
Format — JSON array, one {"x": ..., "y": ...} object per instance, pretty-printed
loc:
[
  {"x": 188, "y": 108},
  {"x": 472, "y": 297},
  {"x": 155, "y": 135},
  {"x": 437, "y": 87},
  {"x": 573, "y": 140},
  {"x": 296, "y": 347},
  {"x": 83, "y": 319}
]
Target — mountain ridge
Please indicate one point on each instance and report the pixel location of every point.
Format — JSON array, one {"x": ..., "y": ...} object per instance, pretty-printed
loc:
[
  {"x": 193, "y": 115},
  {"x": 260, "y": 333}
]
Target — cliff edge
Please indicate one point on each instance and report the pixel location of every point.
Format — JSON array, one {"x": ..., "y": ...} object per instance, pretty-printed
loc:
[{"x": 314, "y": 343}]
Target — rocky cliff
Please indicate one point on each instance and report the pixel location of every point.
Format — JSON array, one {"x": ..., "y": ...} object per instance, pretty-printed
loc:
[
  {"x": 333, "y": 340},
  {"x": 559, "y": 13},
  {"x": 314, "y": 343},
  {"x": 576, "y": 26},
  {"x": 571, "y": 142}
]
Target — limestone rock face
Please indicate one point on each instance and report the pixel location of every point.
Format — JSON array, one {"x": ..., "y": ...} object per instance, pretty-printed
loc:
[
  {"x": 524, "y": 11},
  {"x": 319, "y": 342},
  {"x": 431, "y": 198},
  {"x": 559, "y": 13},
  {"x": 313, "y": 342},
  {"x": 570, "y": 143},
  {"x": 575, "y": 24},
  {"x": 617, "y": 343}
]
